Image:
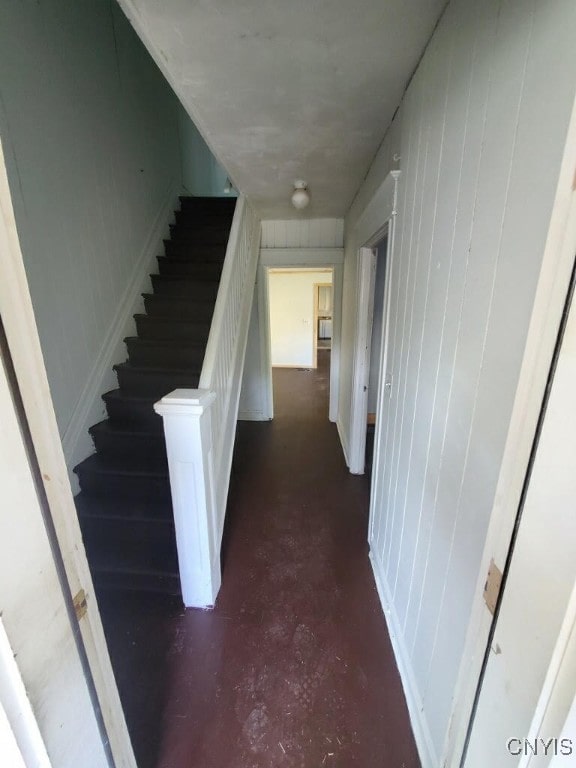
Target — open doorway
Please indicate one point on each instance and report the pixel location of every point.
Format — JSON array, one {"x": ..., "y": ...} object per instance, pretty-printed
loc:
[
  {"x": 370, "y": 348},
  {"x": 375, "y": 348},
  {"x": 300, "y": 310},
  {"x": 323, "y": 304}
]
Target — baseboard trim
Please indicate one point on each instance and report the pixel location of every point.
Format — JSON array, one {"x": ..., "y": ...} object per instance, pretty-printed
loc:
[
  {"x": 418, "y": 721},
  {"x": 252, "y": 416},
  {"x": 343, "y": 442},
  {"x": 75, "y": 442}
]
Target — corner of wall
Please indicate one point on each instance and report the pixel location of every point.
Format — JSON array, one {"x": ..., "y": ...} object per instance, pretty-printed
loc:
[
  {"x": 343, "y": 439},
  {"x": 252, "y": 416}
]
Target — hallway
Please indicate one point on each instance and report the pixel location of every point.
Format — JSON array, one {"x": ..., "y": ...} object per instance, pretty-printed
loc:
[{"x": 294, "y": 666}]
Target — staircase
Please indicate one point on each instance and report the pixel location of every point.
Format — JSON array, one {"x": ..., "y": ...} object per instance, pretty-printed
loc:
[{"x": 124, "y": 506}]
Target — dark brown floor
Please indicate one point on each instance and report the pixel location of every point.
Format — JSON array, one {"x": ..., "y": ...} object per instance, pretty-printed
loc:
[{"x": 294, "y": 666}]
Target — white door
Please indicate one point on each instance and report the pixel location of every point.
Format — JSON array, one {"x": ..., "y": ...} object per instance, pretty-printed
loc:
[
  {"x": 537, "y": 596},
  {"x": 23, "y": 341},
  {"x": 34, "y": 613}
]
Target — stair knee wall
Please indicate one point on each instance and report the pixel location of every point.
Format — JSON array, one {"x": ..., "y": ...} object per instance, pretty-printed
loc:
[{"x": 90, "y": 408}]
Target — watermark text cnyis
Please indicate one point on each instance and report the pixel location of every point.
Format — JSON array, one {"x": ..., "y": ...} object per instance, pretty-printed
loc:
[{"x": 552, "y": 747}]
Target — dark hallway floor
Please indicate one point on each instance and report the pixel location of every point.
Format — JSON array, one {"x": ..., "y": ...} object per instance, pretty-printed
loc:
[{"x": 294, "y": 666}]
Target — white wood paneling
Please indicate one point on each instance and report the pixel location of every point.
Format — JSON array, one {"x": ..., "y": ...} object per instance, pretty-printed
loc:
[
  {"x": 531, "y": 619},
  {"x": 303, "y": 233},
  {"x": 92, "y": 150},
  {"x": 480, "y": 133}
]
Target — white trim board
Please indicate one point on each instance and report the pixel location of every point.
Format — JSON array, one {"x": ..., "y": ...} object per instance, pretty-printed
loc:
[
  {"x": 89, "y": 409},
  {"x": 366, "y": 269},
  {"x": 422, "y": 735},
  {"x": 376, "y": 221},
  {"x": 301, "y": 257},
  {"x": 343, "y": 441},
  {"x": 252, "y": 415},
  {"x": 378, "y": 211}
]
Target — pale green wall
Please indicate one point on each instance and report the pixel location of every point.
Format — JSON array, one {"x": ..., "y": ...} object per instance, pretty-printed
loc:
[
  {"x": 201, "y": 172},
  {"x": 90, "y": 133}
]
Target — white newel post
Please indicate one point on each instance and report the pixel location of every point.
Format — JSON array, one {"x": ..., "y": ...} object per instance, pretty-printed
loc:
[{"x": 188, "y": 432}]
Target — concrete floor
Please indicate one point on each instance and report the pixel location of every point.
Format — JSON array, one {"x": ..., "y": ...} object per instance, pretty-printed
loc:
[{"x": 294, "y": 666}]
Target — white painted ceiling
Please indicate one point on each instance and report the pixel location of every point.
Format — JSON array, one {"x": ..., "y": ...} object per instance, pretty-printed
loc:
[{"x": 289, "y": 89}]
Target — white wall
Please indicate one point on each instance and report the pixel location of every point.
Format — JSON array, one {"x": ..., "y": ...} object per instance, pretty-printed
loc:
[
  {"x": 90, "y": 131},
  {"x": 302, "y": 233},
  {"x": 480, "y": 133},
  {"x": 254, "y": 378},
  {"x": 292, "y": 317}
]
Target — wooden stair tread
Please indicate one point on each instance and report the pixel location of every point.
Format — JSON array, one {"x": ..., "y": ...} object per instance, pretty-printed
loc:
[
  {"x": 186, "y": 343},
  {"x": 107, "y": 508},
  {"x": 108, "y": 427},
  {"x": 124, "y": 506},
  {"x": 129, "y": 466},
  {"x": 145, "y": 370}
]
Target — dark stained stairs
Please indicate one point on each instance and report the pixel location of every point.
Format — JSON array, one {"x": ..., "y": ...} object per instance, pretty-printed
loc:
[{"x": 124, "y": 506}]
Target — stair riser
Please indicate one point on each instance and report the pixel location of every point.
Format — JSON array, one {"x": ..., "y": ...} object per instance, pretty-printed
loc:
[
  {"x": 203, "y": 218},
  {"x": 158, "y": 356},
  {"x": 147, "y": 544},
  {"x": 189, "y": 289},
  {"x": 214, "y": 205},
  {"x": 90, "y": 507},
  {"x": 183, "y": 233},
  {"x": 194, "y": 251},
  {"x": 124, "y": 486},
  {"x": 190, "y": 269},
  {"x": 129, "y": 582},
  {"x": 132, "y": 415},
  {"x": 153, "y": 328},
  {"x": 154, "y": 385},
  {"x": 161, "y": 305},
  {"x": 118, "y": 446}
]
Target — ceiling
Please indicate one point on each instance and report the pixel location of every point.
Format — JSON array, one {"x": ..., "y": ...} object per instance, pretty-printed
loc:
[{"x": 289, "y": 89}]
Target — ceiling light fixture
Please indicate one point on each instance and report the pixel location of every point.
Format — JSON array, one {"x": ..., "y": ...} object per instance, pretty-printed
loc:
[{"x": 300, "y": 196}]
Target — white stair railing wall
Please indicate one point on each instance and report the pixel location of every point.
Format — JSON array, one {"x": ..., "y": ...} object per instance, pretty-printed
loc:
[{"x": 200, "y": 424}]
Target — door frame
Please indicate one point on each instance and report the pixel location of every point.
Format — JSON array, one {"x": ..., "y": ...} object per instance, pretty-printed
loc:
[
  {"x": 547, "y": 312},
  {"x": 365, "y": 278},
  {"x": 299, "y": 258},
  {"x": 26, "y": 353},
  {"x": 315, "y": 315},
  {"x": 377, "y": 221},
  {"x": 548, "y": 432}
]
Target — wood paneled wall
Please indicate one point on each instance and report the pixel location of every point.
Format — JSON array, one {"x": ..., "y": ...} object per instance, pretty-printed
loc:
[
  {"x": 480, "y": 133},
  {"x": 303, "y": 233}
]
